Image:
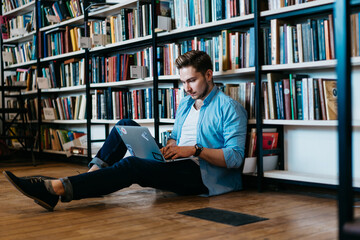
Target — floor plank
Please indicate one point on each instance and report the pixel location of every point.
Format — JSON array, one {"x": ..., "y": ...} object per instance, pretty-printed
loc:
[{"x": 145, "y": 213}]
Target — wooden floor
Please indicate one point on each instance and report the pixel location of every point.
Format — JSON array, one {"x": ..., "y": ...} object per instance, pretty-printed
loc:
[{"x": 144, "y": 213}]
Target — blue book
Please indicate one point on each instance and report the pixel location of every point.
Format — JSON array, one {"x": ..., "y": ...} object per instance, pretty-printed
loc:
[
  {"x": 118, "y": 67},
  {"x": 220, "y": 7},
  {"x": 252, "y": 47},
  {"x": 277, "y": 98},
  {"x": 299, "y": 99},
  {"x": 69, "y": 107},
  {"x": 281, "y": 93},
  {"x": 322, "y": 53},
  {"x": 314, "y": 39},
  {"x": 282, "y": 52},
  {"x": 192, "y": 12},
  {"x": 45, "y": 46},
  {"x": 57, "y": 8}
]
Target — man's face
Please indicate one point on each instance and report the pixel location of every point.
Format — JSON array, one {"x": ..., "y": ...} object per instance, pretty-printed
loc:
[{"x": 195, "y": 84}]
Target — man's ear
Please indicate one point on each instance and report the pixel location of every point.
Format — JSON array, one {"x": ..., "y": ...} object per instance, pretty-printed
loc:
[{"x": 209, "y": 75}]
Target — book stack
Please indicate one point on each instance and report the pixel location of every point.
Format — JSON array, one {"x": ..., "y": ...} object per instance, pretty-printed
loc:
[
  {"x": 308, "y": 41},
  {"x": 117, "y": 68},
  {"x": 8, "y": 5},
  {"x": 65, "y": 108},
  {"x": 298, "y": 97}
]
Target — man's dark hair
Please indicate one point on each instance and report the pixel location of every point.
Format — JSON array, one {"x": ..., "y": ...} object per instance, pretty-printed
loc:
[{"x": 199, "y": 60}]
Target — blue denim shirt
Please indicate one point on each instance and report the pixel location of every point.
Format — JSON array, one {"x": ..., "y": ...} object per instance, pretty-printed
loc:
[{"x": 222, "y": 125}]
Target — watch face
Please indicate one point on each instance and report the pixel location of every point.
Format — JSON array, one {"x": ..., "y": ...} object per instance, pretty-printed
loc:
[{"x": 198, "y": 145}]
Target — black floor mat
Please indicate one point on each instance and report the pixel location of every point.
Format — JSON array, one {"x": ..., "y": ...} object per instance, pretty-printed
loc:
[{"x": 223, "y": 216}]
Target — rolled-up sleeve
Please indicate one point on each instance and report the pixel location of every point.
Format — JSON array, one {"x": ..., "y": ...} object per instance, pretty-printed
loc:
[{"x": 234, "y": 132}]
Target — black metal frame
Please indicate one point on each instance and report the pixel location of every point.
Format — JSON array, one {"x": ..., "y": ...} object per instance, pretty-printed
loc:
[{"x": 342, "y": 43}]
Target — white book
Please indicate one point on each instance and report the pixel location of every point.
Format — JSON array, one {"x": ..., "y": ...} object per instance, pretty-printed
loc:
[
  {"x": 114, "y": 109},
  {"x": 77, "y": 106},
  {"x": 242, "y": 93},
  {"x": 233, "y": 50},
  {"x": 82, "y": 109},
  {"x": 305, "y": 99},
  {"x": 311, "y": 99},
  {"x": 290, "y": 50}
]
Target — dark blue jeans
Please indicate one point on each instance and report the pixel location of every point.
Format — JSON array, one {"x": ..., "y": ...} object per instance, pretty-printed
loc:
[{"x": 182, "y": 177}]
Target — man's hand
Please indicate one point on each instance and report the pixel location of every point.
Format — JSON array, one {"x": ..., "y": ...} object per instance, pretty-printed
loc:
[{"x": 173, "y": 152}]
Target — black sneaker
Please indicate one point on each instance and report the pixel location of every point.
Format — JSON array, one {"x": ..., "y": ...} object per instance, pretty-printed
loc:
[{"x": 33, "y": 188}]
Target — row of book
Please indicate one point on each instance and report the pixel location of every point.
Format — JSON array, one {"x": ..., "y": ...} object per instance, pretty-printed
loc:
[
  {"x": 194, "y": 12},
  {"x": 270, "y": 140},
  {"x": 130, "y": 23},
  {"x": 60, "y": 40},
  {"x": 18, "y": 25},
  {"x": 8, "y": 5},
  {"x": 276, "y": 4},
  {"x": 244, "y": 93},
  {"x": 64, "y": 108},
  {"x": 69, "y": 73},
  {"x": 298, "y": 97},
  {"x": 21, "y": 53},
  {"x": 117, "y": 68},
  {"x": 58, "y": 139},
  {"x": 53, "y": 12},
  {"x": 229, "y": 51},
  {"x": 312, "y": 40},
  {"x": 21, "y": 77},
  {"x": 135, "y": 104}
]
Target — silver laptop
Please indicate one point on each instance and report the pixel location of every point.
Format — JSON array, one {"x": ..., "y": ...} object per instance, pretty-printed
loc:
[{"x": 140, "y": 143}]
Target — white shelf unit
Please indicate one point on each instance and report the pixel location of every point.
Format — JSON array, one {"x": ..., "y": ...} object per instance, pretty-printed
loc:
[
  {"x": 19, "y": 65},
  {"x": 76, "y": 21},
  {"x": 24, "y": 38}
]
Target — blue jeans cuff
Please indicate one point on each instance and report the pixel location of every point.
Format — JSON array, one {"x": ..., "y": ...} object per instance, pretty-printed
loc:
[{"x": 97, "y": 161}]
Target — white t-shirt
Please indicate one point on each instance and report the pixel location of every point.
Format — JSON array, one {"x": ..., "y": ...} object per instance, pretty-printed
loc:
[{"x": 189, "y": 129}]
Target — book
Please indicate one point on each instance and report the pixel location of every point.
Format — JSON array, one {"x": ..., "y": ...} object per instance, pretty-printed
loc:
[
  {"x": 272, "y": 78},
  {"x": 321, "y": 98},
  {"x": 330, "y": 97},
  {"x": 287, "y": 99}
]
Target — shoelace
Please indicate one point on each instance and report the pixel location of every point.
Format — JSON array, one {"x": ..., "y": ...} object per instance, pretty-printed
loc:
[{"x": 36, "y": 180}]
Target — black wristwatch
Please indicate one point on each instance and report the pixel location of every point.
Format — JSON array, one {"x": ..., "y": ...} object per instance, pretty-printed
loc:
[{"x": 198, "y": 149}]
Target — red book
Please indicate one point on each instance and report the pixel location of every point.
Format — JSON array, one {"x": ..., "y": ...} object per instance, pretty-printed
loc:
[
  {"x": 135, "y": 109},
  {"x": 121, "y": 105},
  {"x": 270, "y": 141},
  {"x": 287, "y": 101}
]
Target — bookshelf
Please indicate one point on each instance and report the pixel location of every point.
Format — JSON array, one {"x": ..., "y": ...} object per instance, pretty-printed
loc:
[{"x": 315, "y": 130}]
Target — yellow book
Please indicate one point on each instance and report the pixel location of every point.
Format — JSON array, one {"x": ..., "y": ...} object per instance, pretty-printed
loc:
[
  {"x": 112, "y": 28},
  {"x": 73, "y": 40}
]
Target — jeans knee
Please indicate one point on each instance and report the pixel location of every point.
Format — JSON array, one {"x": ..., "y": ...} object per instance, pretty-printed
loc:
[{"x": 127, "y": 122}]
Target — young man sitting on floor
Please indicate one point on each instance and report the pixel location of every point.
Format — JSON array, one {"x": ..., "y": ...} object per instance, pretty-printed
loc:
[{"x": 208, "y": 124}]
